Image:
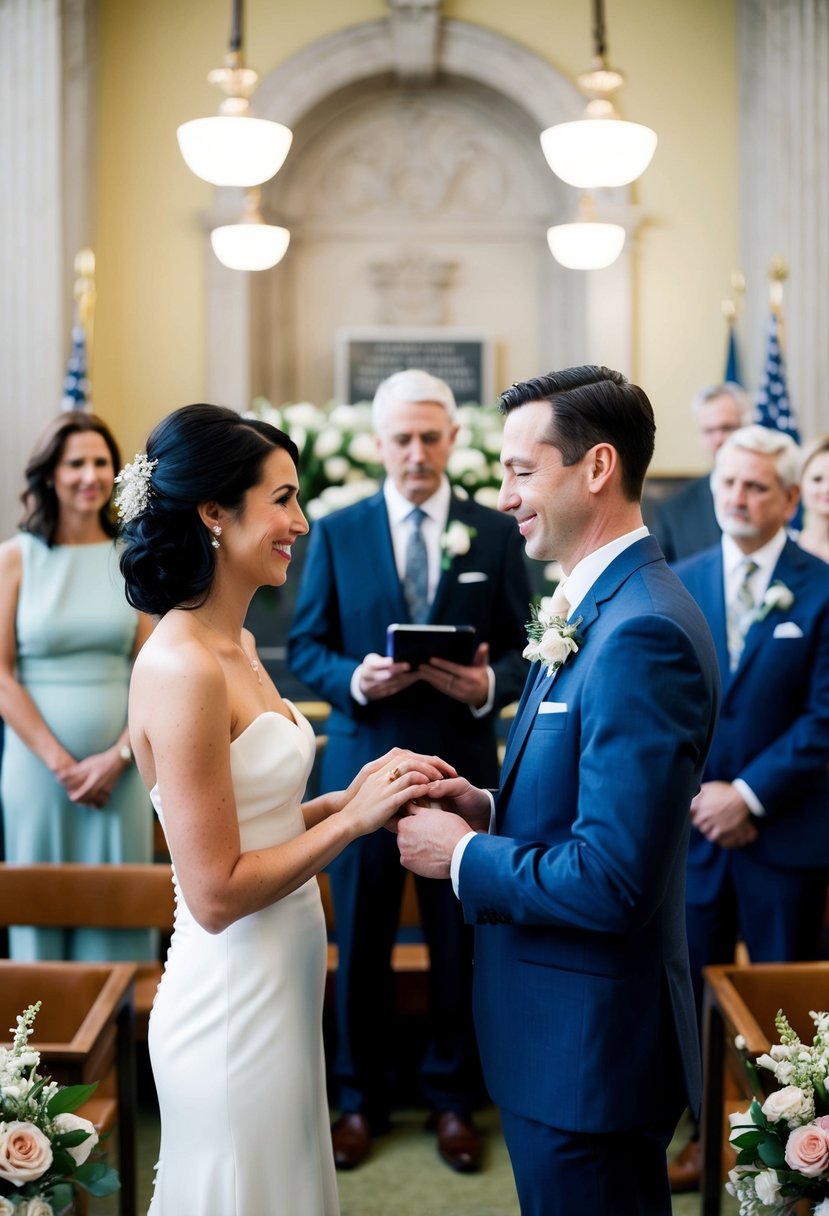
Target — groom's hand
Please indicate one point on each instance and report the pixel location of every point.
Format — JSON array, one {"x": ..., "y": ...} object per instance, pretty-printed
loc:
[{"x": 427, "y": 838}]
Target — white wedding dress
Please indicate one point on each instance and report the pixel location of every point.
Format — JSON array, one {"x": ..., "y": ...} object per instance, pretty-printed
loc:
[{"x": 236, "y": 1028}]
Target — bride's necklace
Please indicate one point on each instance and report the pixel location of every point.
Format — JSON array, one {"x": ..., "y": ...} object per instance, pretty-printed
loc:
[{"x": 253, "y": 664}]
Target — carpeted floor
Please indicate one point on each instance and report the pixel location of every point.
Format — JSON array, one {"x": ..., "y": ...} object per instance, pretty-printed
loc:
[{"x": 403, "y": 1177}]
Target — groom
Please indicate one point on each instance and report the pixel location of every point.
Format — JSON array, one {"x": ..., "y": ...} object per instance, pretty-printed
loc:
[{"x": 583, "y": 1002}]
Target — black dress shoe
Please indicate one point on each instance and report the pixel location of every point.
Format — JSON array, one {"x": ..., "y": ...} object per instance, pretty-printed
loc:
[
  {"x": 458, "y": 1143},
  {"x": 351, "y": 1137}
]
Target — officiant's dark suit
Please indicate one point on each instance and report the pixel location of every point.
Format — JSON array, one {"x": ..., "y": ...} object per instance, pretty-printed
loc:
[
  {"x": 350, "y": 593},
  {"x": 583, "y": 1001},
  {"x": 758, "y": 867}
]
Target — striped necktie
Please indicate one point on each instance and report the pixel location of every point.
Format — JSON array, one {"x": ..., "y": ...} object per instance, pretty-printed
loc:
[
  {"x": 741, "y": 612},
  {"x": 416, "y": 574}
]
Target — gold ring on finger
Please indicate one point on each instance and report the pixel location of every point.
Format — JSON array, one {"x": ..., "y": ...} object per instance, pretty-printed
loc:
[{"x": 393, "y": 774}]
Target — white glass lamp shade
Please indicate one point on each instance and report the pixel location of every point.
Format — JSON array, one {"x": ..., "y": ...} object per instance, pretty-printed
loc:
[
  {"x": 586, "y": 246},
  {"x": 598, "y": 152},
  {"x": 234, "y": 150},
  {"x": 249, "y": 246}
]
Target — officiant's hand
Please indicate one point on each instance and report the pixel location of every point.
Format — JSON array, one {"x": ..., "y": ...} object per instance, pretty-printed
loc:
[
  {"x": 379, "y": 676},
  {"x": 426, "y": 839},
  {"x": 470, "y": 685}
]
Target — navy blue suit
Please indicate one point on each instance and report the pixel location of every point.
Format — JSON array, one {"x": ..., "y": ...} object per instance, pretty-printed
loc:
[
  {"x": 582, "y": 994},
  {"x": 350, "y": 592},
  {"x": 687, "y": 523},
  {"x": 773, "y": 733}
]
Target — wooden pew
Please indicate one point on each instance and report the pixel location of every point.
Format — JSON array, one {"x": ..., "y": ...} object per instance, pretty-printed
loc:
[
  {"x": 74, "y": 896},
  {"x": 744, "y": 1000}
]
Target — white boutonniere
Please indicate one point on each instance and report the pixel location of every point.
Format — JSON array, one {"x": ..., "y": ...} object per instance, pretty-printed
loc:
[
  {"x": 455, "y": 542},
  {"x": 777, "y": 598},
  {"x": 551, "y": 639}
]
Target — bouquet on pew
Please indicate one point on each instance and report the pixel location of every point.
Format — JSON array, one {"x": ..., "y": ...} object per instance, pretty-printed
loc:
[
  {"x": 44, "y": 1147},
  {"x": 782, "y": 1140}
]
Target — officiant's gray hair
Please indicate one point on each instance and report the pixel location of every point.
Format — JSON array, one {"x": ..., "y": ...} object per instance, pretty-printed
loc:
[
  {"x": 416, "y": 385},
  {"x": 766, "y": 442}
]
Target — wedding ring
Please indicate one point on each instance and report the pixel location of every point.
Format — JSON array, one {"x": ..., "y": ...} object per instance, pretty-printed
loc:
[{"x": 393, "y": 774}]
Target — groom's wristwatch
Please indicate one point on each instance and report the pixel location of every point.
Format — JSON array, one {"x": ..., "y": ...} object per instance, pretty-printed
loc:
[{"x": 125, "y": 752}]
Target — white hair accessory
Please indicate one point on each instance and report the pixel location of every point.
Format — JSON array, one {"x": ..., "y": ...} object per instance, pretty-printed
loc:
[{"x": 134, "y": 480}]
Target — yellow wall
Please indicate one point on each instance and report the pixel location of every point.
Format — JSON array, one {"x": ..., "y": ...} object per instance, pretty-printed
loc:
[{"x": 678, "y": 57}]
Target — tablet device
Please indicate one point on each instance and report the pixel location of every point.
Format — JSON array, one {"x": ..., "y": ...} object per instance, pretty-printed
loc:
[{"x": 417, "y": 644}]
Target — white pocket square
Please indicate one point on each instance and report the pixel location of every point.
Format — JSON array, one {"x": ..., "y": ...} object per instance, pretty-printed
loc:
[
  {"x": 553, "y": 707},
  {"x": 473, "y": 576},
  {"x": 787, "y": 629}
]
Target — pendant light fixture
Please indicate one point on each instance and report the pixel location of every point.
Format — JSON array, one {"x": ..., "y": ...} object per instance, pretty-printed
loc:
[
  {"x": 586, "y": 244},
  {"x": 601, "y": 149},
  {"x": 233, "y": 148},
  {"x": 250, "y": 244}
]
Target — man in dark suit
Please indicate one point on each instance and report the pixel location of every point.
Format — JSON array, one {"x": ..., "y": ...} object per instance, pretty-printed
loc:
[
  {"x": 414, "y": 552},
  {"x": 759, "y": 853},
  {"x": 583, "y": 1000},
  {"x": 687, "y": 523}
]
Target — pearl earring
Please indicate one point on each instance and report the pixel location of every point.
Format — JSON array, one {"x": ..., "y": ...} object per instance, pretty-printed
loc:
[{"x": 214, "y": 540}]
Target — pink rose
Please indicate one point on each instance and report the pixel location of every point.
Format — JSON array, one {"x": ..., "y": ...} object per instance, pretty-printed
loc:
[
  {"x": 25, "y": 1153},
  {"x": 823, "y": 1122},
  {"x": 807, "y": 1150}
]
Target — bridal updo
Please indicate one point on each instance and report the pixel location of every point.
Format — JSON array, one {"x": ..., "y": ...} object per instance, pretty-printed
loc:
[{"x": 197, "y": 454}]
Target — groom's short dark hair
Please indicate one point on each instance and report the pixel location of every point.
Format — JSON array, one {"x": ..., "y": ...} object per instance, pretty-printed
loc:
[{"x": 593, "y": 405}]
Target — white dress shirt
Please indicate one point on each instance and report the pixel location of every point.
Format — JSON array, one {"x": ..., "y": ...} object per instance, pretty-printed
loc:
[
  {"x": 766, "y": 558},
  {"x": 577, "y": 584}
]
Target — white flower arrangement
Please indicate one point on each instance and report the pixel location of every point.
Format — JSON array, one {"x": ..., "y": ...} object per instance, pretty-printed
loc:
[
  {"x": 551, "y": 638},
  {"x": 783, "y": 1144},
  {"x": 134, "y": 495},
  {"x": 456, "y": 541},
  {"x": 340, "y": 464},
  {"x": 44, "y": 1147},
  {"x": 778, "y": 597}
]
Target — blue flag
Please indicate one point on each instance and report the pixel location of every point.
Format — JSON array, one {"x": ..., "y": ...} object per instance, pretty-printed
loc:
[
  {"x": 75, "y": 383},
  {"x": 733, "y": 368},
  {"x": 773, "y": 408}
]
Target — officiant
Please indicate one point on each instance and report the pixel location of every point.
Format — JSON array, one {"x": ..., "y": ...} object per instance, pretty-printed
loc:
[{"x": 416, "y": 552}]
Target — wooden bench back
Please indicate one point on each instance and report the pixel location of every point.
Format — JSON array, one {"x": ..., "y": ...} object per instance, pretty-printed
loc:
[{"x": 74, "y": 896}]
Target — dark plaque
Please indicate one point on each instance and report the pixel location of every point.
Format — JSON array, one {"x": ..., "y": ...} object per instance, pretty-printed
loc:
[{"x": 365, "y": 357}]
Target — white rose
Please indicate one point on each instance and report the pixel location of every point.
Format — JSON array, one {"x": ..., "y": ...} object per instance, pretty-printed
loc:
[
  {"x": 487, "y": 496},
  {"x": 37, "y": 1206},
  {"x": 327, "y": 442},
  {"x": 74, "y": 1123},
  {"x": 767, "y": 1186},
  {"x": 778, "y": 596},
  {"x": 363, "y": 449},
  {"x": 788, "y": 1103},
  {"x": 336, "y": 468},
  {"x": 316, "y": 509},
  {"x": 299, "y": 435},
  {"x": 822, "y": 1208},
  {"x": 305, "y": 415},
  {"x": 554, "y": 648},
  {"x": 492, "y": 442},
  {"x": 456, "y": 539},
  {"x": 465, "y": 460},
  {"x": 740, "y": 1121},
  {"x": 530, "y": 651},
  {"x": 25, "y": 1153}
]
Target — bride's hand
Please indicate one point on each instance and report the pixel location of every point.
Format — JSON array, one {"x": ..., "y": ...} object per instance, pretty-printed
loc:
[
  {"x": 432, "y": 768},
  {"x": 380, "y": 796}
]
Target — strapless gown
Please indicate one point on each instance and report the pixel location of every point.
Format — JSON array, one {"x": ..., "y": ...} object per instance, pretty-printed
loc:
[{"x": 236, "y": 1029}]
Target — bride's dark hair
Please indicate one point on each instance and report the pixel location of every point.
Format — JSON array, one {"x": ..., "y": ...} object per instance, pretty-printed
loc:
[{"x": 203, "y": 453}]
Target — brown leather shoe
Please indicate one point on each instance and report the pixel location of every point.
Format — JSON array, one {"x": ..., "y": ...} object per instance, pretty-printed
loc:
[
  {"x": 458, "y": 1143},
  {"x": 685, "y": 1171},
  {"x": 351, "y": 1137}
]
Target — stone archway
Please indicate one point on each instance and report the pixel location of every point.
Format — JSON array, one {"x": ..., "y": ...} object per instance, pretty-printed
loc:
[{"x": 421, "y": 183}]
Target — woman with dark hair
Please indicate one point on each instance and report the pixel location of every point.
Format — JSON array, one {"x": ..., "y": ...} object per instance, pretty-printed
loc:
[
  {"x": 69, "y": 789},
  {"x": 210, "y": 514}
]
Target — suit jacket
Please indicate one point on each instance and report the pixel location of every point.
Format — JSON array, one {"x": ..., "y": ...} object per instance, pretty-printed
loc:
[
  {"x": 774, "y": 723},
  {"x": 581, "y": 961},
  {"x": 350, "y": 593},
  {"x": 687, "y": 523}
]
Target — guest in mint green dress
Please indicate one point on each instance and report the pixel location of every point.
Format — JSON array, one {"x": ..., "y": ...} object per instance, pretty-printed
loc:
[{"x": 69, "y": 788}]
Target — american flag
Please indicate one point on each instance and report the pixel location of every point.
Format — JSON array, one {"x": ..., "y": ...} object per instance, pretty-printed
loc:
[
  {"x": 773, "y": 408},
  {"x": 733, "y": 366},
  {"x": 75, "y": 383}
]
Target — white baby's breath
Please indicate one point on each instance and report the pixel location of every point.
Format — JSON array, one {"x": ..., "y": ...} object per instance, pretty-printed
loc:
[{"x": 134, "y": 480}]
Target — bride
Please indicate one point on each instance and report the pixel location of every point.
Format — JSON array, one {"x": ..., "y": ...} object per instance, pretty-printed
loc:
[{"x": 210, "y": 513}]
